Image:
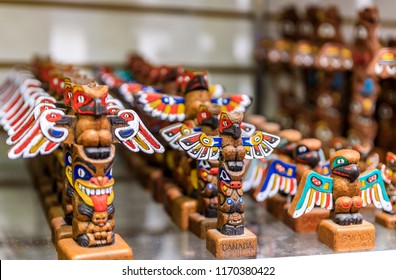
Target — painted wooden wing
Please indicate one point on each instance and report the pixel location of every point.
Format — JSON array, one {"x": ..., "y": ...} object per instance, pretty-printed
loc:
[
  {"x": 134, "y": 135},
  {"x": 372, "y": 190},
  {"x": 248, "y": 129},
  {"x": 42, "y": 136},
  {"x": 173, "y": 132},
  {"x": 162, "y": 106},
  {"x": 129, "y": 90},
  {"x": 313, "y": 189},
  {"x": 260, "y": 145},
  {"x": 255, "y": 174},
  {"x": 201, "y": 146},
  {"x": 280, "y": 176},
  {"x": 237, "y": 102}
]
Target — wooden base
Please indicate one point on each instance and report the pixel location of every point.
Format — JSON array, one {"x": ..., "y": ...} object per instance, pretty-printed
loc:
[
  {"x": 306, "y": 223},
  {"x": 68, "y": 249},
  {"x": 386, "y": 220},
  {"x": 60, "y": 230},
  {"x": 171, "y": 193},
  {"x": 55, "y": 211},
  {"x": 182, "y": 207},
  {"x": 199, "y": 224},
  {"x": 347, "y": 238},
  {"x": 231, "y": 247},
  {"x": 275, "y": 205},
  {"x": 158, "y": 189}
]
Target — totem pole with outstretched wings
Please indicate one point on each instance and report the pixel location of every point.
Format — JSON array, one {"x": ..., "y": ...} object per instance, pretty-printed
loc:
[{"x": 84, "y": 126}]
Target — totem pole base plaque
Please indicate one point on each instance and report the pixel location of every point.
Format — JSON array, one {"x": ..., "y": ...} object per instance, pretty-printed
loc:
[
  {"x": 199, "y": 224},
  {"x": 171, "y": 193},
  {"x": 68, "y": 249},
  {"x": 231, "y": 246},
  {"x": 275, "y": 205},
  {"x": 347, "y": 238},
  {"x": 308, "y": 222},
  {"x": 60, "y": 230},
  {"x": 386, "y": 220},
  {"x": 182, "y": 207}
]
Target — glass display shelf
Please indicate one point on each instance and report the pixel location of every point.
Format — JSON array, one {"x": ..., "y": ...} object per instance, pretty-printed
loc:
[{"x": 143, "y": 223}]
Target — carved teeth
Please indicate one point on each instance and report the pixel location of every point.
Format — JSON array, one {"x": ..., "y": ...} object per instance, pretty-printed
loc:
[{"x": 90, "y": 192}]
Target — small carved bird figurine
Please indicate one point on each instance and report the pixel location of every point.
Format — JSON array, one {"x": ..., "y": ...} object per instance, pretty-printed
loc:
[{"x": 344, "y": 192}]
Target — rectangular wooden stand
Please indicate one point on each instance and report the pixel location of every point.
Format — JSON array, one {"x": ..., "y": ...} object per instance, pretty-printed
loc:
[
  {"x": 347, "y": 238},
  {"x": 60, "y": 230},
  {"x": 199, "y": 224},
  {"x": 308, "y": 222},
  {"x": 182, "y": 207},
  {"x": 275, "y": 205},
  {"x": 386, "y": 220},
  {"x": 231, "y": 247},
  {"x": 68, "y": 249},
  {"x": 171, "y": 193}
]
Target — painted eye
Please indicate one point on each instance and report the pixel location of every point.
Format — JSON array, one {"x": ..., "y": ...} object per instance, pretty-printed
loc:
[
  {"x": 391, "y": 69},
  {"x": 210, "y": 186},
  {"x": 229, "y": 201},
  {"x": 324, "y": 62},
  {"x": 257, "y": 138},
  {"x": 81, "y": 99},
  {"x": 340, "y": 161},
  {"x": 206, "y": 141},
  {"x": 81, "y": 172},
  {"x": 69, "y": 94},
  {"x": 378, "y": 68},
  {"x": 55, "y": 81},
  {"x": 127, "y": 116},
  {"x": 186, "y": 79},
  {"x": 302, "y": 149},
  {"x": 240, "y": 200}
]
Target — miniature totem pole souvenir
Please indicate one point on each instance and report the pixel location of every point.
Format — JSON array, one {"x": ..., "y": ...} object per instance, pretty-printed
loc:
[
  {"x": 88, "y": 130},
  {"x": 333, "y": 60},
  {"x": 278, "y": 64},
  {"x": 344, "y": 192},
  {"x": 303, "y": 59},
  {"x": 195, "y": 89},
  {"x": 365, "y": 90},
  {"x": 230, "y": 239},
  {"x": 387, "y": 218},
  {"x": 382, "y": 67}
]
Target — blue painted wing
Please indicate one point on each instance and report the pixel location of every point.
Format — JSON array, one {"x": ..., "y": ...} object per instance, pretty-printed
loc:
[
  {"x": 312, "y": 189},
  {"x": 372, "y": 190},
  {"x": 255, "y": 174},
  {"x": 280, "y": 176}
]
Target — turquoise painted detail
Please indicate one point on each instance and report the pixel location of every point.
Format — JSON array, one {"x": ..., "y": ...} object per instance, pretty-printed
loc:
[{"x": 309, "y": 185}]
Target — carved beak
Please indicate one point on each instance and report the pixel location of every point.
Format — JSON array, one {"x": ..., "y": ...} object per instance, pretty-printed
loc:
[{"x": 350, "y": 171}]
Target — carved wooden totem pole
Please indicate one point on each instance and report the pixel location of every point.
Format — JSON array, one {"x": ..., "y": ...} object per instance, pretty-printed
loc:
[
  {"x": 197, "y": 109},
  {"x": 230, "y": 239},
  {"x": 344, "y": 192},
  {"x": 365, "y": 88},
  {"x": 333, "y": 60},
  {"x": 87, "y": 125}
]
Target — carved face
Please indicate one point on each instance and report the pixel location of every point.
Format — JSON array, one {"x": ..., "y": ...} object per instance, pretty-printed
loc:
[
  {"x": 304, "y": 54},
  {"x": 89, "y": 100},
  {"x": 280, "y": 51},
  {"x": 93, "y": 179},
  {"x": 334, "y": 57},
  {"x": 384, "y": 64}
]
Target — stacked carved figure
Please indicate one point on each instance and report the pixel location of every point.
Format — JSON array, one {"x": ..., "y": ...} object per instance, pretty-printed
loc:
[{"x": 80, "y": 122}]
